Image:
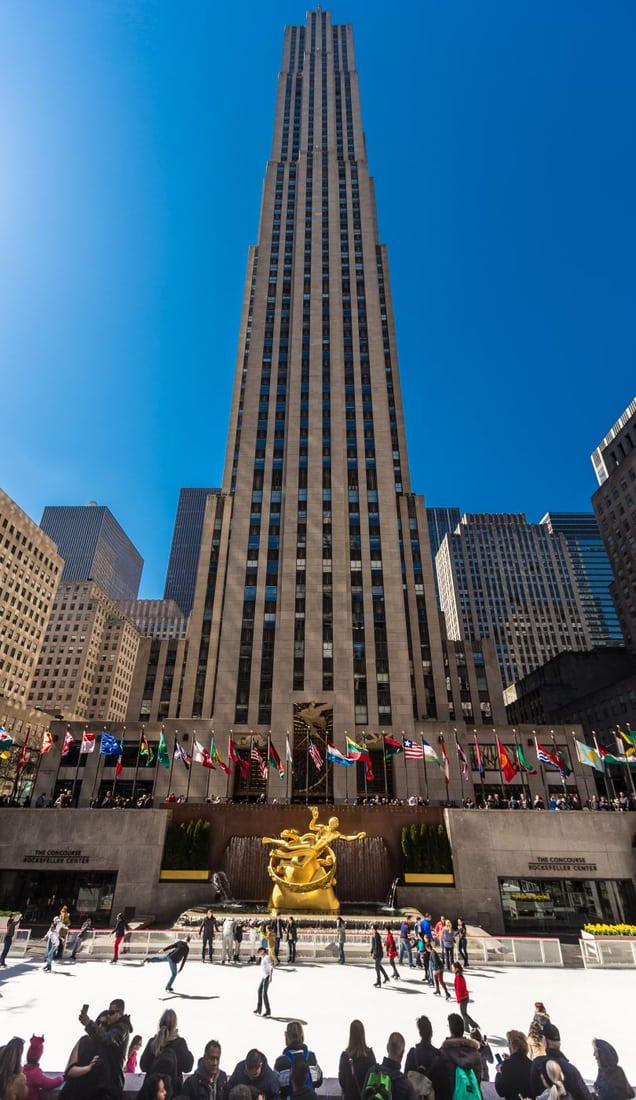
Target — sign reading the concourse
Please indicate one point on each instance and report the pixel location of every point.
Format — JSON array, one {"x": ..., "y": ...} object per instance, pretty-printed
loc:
[
  {"x": 56, "y": 855},
  {"x": 561, "y": 863}
]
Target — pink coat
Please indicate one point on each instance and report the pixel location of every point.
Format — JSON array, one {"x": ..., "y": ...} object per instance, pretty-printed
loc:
[{"x": 39, "y": 1082}]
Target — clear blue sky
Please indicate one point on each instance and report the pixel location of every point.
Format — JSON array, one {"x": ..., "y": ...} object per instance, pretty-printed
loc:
[{"x": 134, "y": 142}]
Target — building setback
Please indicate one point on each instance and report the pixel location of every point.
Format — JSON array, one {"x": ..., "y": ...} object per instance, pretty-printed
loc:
[
  {"x": 614, "y": 503},
  {"x": 181, "y": 575}
]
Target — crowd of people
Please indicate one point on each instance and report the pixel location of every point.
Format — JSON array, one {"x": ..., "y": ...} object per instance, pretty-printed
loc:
[{"x": 533, "y": 1067}]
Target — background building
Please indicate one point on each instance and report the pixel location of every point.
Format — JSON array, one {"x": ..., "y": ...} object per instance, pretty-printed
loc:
[
  {"x": 614, "y": 503},
  {"x": 503, "y": 578},
  {"x": 186, "y": 543},
  {"x": 593, "y": 573},
  {"x": 441, "y": 522},
  {"x": 30, "y": 569},
  {"x": 94, "y": 548},
  {"x": 88, "y": 657}
]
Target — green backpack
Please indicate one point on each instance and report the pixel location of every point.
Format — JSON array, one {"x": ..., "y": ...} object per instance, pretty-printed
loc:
[
  {"x": 466, "y": 1085},
  {"x": 377, "y": 1085}
]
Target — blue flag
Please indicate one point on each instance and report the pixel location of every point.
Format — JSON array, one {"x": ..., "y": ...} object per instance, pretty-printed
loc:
[{"x": 110, "y": 746}]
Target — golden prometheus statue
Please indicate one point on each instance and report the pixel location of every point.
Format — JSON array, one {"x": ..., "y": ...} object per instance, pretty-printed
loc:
[{"x": 302, "y": 866}]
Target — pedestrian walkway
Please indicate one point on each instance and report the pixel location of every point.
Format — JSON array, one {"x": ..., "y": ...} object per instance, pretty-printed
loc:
[{"x": 215, "y": 1001}]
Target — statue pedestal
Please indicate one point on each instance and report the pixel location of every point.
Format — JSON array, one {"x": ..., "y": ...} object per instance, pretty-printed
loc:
[{"x": 308, "y": 901}]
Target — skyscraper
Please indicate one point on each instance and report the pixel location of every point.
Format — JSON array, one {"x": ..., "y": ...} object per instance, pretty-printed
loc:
[
  {"x": 503, "y": 578},
  {"x": 314, "y": 610},
  {"x": 614, "y": 462},
  {"x": 94, "y": 548},
  {"x": 592, "y": 570},
  {"x": 184, "y": 552}
]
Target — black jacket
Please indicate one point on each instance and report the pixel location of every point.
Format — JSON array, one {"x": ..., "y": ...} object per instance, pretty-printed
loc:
[
  {"x": 198, "y": 1086},
  {"x": 208, "y": 927},
  {"x": 401, "y": 1087},
  {"x": 267, "y": 1083},
  {"x": 453, "y": 1053},
  {"x": 184, "y": 1056},
  {"x": 377, "y": 951},
  {"x": 178, "y": 952},
  {"x": 351, "y": 1082},
  {"x": 426, "y": 1058},
  {"x": 512, "y": 1078},
  {"x": 574, "y": 1083},
  {"x": 111, "y": 1042}
]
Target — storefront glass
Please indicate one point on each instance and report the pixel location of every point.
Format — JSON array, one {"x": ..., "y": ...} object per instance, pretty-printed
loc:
[{"x": 553, "y": 905}]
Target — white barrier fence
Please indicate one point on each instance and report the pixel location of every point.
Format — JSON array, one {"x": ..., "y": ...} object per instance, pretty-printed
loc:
[
  {"x": 608, "y": 952},
  {"x": 313, "y": 944}
]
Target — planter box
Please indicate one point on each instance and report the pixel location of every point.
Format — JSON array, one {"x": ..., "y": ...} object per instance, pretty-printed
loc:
[
  {"x": 184, "y": 876},
  {"x": 411, "y": 879}
]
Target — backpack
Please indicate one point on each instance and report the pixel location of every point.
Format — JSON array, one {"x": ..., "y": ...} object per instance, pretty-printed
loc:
[
  {"x": 466, "y": 1085},
  {"x": 422, "y": 1084},
  {"x": 166, "y": 1065},
  {"x": 377, "y": 1085}
]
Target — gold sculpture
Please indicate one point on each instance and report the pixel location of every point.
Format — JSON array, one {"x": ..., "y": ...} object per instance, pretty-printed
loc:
[{"x": 302, "y": 866}]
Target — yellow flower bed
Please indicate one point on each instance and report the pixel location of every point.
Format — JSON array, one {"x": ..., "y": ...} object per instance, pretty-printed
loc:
[{"x": 628, "y": 930}]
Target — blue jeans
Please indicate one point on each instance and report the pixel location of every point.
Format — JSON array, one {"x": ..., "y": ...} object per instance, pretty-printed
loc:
[
  {"x": 341, "y": 952},
  {"x": 171, "y": 963},
  {"x": 263, "y": 999},
  {"x": 405, "y": 946}
]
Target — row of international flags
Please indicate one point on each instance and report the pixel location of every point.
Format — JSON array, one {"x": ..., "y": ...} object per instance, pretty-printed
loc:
[{"x": 510, "y": 763}]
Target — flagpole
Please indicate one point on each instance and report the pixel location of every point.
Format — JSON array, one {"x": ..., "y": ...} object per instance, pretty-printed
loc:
[
  {"x": 207, "y": 783},
  {"x": 39, "y": 765},
  {"x": 481, "y": 768},
  {"x": 522, "y": 770},
  {"x": 587, "y": 792},
  {"x": 57, "y": 774},
  {"x": 424, "y": 762},
  {"x": 121, "y": 756},
  {"x": 501, "y": 779},
  {"x": 561, "y": 772},
  {"x": 99, "y": 763},
  {"x": 307, "y": 767},
  {"x": 386, "y": 781},
  {"x": 366, "y": 789},
  {"x": 606, "y": 777},
  {"x": 79, "y": 757},
  {"x": 543, "y": 775},
  {"x": 174, "y": 745},
  {"x": 459, "y": 764},
  {"x": 346, "y": 773},
  {"x": 189, "y": 777},
  {"x": 287, "y": 766},
  {"x": 628, "y": 766},
  {"x": 19, "y": 768},
  {"x": 134, "y": 787},
  {"x": 247, "y": 793}
]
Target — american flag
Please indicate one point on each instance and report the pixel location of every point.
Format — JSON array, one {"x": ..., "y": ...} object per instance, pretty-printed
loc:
[
  {"x": 314, "y": 753},
  {"x": 412, "y": 750},
  {"x": 258, "y": 759}
]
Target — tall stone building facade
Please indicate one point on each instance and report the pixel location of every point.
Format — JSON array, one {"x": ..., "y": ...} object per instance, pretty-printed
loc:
[{"x": 614, "y": 503}]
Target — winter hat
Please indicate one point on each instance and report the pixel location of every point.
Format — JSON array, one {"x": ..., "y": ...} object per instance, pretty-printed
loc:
[{"x": 34, "y": 1053}]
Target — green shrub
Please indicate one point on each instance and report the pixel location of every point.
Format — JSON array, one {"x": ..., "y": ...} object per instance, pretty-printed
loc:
[{"x": 187, "y": 846}]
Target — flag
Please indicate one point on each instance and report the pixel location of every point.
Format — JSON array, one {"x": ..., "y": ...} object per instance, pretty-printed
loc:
[
  {"x": 314, "y": 752},
  {"x": 241, "y": 764},
  {"x": 182, "y": 755},
  {"x": 463, "y": 760},
  {"x": 336, "y": 757},
  {"x": 216, "y": 758},
  {"x": 613, "y": 758},
  {"x": 289, "y": 756},
  {"x": 274, "y": 760},
  {"x": 360, "y": 752},
  {"x": 88, "y": 742},
  {"x": 200, "y": 755},
  {"x": 68, "y": 741},
  {"x": 258, "y": 759},
  {"x": 109, "y": 746},
  {"x": 429, "y": 753},
  {"x": 629, "y": 738},
  {"x": 412, "y": 750},
  {"x": 480, "y": 763},
  {"x": 392, "y": 747},
  {"x": 550, "y": 759},
  {"x": 523, "y": 764},
  {"x": 589, "y": 756},
  {"x": 145, "y": 750},
  {"x": 505, "y": 763},
  {"x": 22, "y": 757},
  {"x": 47, "y": 742},
  {"x": 446, "y": 760},
  {"x": 119, "y": 767},
  {"x": 6, "y": 740},
  {"x": 162, "y": 751}
]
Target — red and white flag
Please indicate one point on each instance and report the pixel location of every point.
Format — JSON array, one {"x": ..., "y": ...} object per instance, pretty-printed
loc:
[
  {"x": 446, "y": 760},
  {"x": 314, "y": 752},
  {"x": 200, "y": 755},
  {"x": 88, "y": 742},
  {"x": 47, "y": 741},
  {"x": 68, "y": 741}
]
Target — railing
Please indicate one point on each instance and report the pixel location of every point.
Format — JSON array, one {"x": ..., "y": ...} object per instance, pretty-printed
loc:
[
  {"x": 320, "y": 944},
  {"x": 21, "y": 940},
  {"x": 608, "y": 951}
]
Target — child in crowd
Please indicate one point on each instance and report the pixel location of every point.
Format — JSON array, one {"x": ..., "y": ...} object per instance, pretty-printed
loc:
[
  {"x": 133, "y": 1049},
  {"x": 37, "y": 1081}
]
